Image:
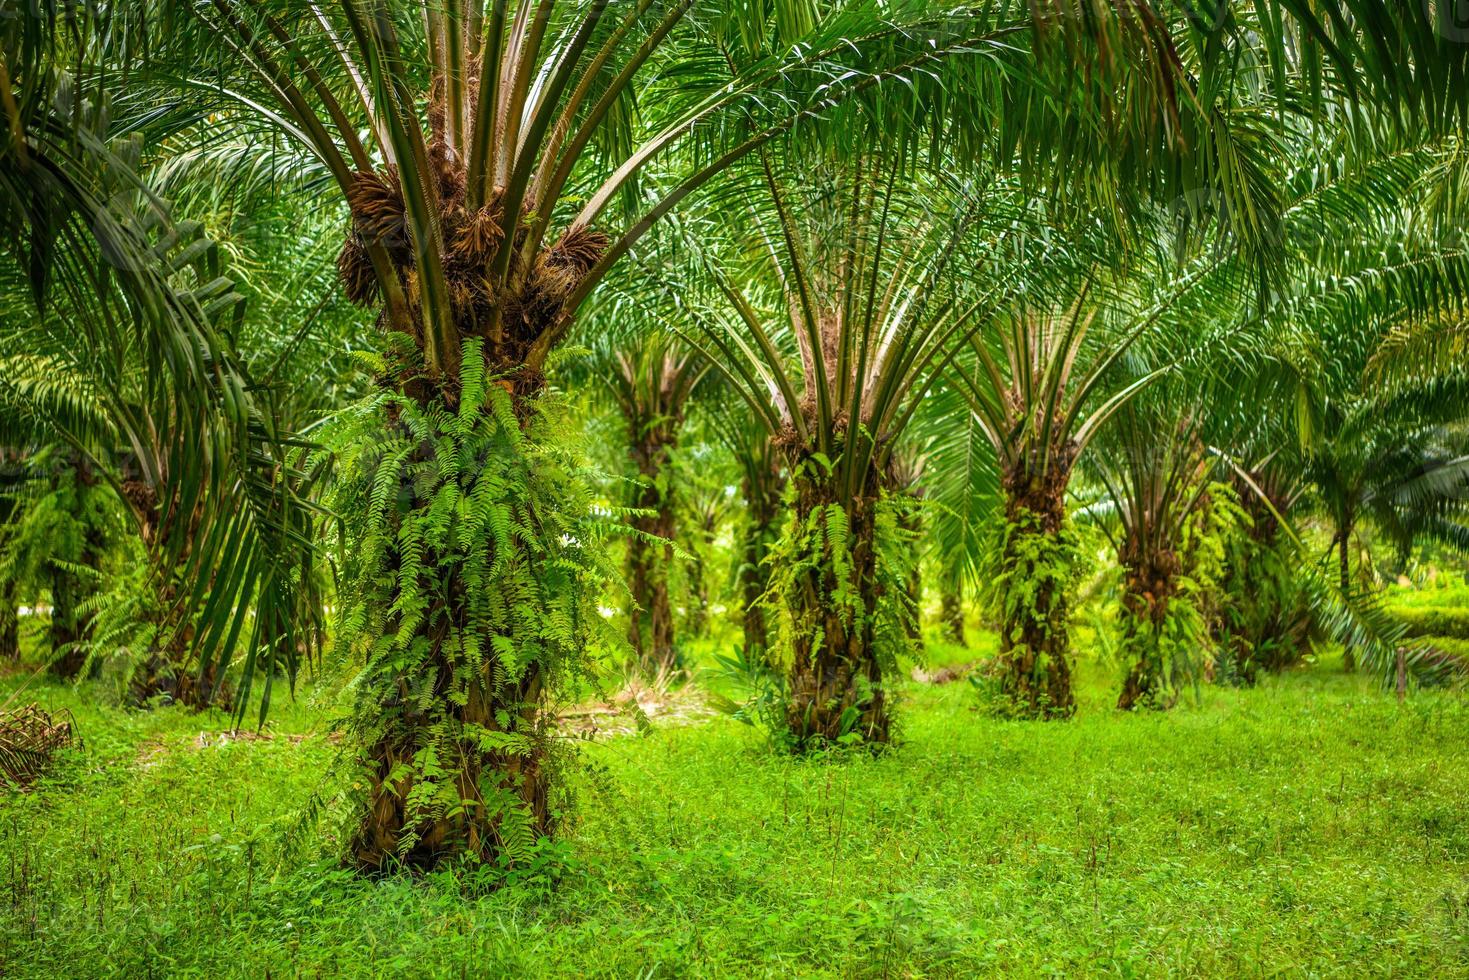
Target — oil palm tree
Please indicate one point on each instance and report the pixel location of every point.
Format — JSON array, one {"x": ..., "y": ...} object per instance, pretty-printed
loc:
[
  {"x": 832, "y": 306},
  {"x": 1159, "y": 480},
  {"x": 707, "y": 507},
  {"x": 125, "y": 330},
  {"x": 1040, "y": 395},
  {"x": 64, "y": 527},
  {"x": 1408, "y": 476},
  {"x": 479, "y": 226},
  {"x": 651, "y": 380}
]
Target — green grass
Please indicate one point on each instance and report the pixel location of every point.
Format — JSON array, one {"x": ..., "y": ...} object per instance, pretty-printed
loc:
[{"x": 1311, "y": 827}]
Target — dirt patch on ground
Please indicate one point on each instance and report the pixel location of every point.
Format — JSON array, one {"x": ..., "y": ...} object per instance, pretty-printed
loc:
[
  {"x": 153, "y": 749},
  {"x": 945, "y": 675},
  {"x": 641, "y": 704}
]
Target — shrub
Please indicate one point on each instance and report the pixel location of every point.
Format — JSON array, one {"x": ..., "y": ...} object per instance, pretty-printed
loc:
[
  {"x": 1455, "y": 646},
  {"x": 1442, "y": 621}
]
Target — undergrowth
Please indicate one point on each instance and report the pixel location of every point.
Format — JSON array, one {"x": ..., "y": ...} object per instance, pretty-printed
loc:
[{"x": 1307, "y": 827}]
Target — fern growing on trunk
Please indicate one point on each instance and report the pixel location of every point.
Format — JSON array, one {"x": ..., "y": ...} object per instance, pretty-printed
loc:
[
  {"x": 841, "y": 566},
  {"x": 471, "y": 577}
]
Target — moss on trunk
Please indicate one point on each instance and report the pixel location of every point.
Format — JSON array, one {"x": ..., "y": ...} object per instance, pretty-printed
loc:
[
  {"x": 951, "y": 614},
  {"x": 1150, "y": 586},
  {"x": 650, "y": 627},
  {"x": 1037, "y": 567},
  {"x": 835, "y": 683}
]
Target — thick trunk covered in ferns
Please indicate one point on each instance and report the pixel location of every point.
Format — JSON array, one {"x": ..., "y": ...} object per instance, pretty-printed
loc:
[
  {"x": 485, "y": 778},
  {"x": 650, "y": 628},
  {"x": 1035, "y": 639},
  {"x": 1150, "y": 583},
  {"x": 835, "y": 686},
  {"x": 495, "y": 762},
  {"x": 951, "y": 613},
  {"x": 466, "y": 625}
]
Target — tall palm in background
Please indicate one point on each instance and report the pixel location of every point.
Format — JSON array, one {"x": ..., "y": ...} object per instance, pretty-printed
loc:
[
  {"x": 63, "y": 524},
  {"x": 1407, "y": 476},
  {"x": 1040, "y": 388},
  {"x": 651, "y": 379},
  {"x": 1158, "y": 478},
  {"x": 708, "y": 506},
  {"x": 835, "y": 308},
  {"x": 762, "y": 486}
]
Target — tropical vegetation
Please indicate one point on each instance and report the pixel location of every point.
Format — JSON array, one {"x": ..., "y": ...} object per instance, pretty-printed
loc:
[{"x": 502, "y": 427}]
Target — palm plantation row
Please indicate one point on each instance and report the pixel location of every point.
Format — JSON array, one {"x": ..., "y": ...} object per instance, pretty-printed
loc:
[{"x": 318, "y": 295}]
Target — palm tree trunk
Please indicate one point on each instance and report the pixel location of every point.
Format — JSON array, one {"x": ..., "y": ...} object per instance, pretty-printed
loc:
[
  {"x": 650, "y": 629},
  {"x": 698, "y": 598},
  {"x": 835, "y": 684},
  {"x": 476, "y": 829},
  {"x": 499, "y": 766},
  {"x": 1263, "y": 627},
  {"x": 9, "y": 623},
  {"x": 70, "y": 627},
  {"x": 762, "y": 495},
  {"x": 1035, "y": 640},
  {"x": 1149, "y": 585},
  {"x": 754, "y": 580},
  {"x": 952, "y": 614},
  {"x": 1343, "y": 543},
  {"x": 167, "y": 675}
]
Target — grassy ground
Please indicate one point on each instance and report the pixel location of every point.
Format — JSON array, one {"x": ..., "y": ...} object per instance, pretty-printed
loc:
[{"x": 1311, "y": 827}]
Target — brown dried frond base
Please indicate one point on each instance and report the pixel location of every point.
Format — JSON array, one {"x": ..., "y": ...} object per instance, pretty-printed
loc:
[{"x": 30, "y": 738}]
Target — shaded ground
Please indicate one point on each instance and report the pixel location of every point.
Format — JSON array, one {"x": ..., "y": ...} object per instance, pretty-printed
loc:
[{"x": 1311, "y": 827}]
